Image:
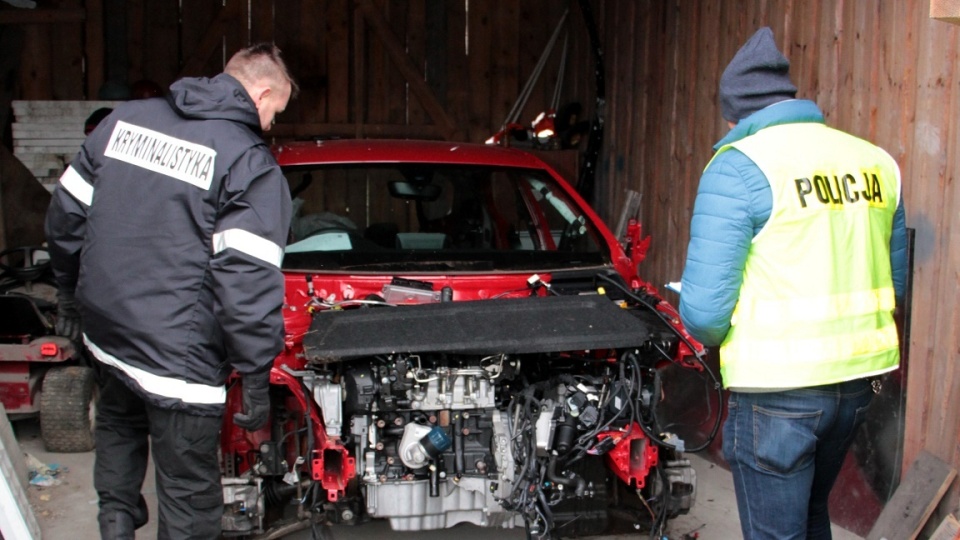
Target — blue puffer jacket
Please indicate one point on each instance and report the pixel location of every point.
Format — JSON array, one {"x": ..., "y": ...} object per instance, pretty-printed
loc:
[{"x": 733, "y": 204}]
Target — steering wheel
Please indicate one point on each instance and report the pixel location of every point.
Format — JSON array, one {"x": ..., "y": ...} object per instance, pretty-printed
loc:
[{"x": 18, "y": 264}]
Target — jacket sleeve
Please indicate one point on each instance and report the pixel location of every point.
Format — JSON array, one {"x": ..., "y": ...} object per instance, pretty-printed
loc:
[
  {"x": 248, "y": 243},
  {"x": 725, "y": 219},
  {"x": 66, "y": 219},
  {"x": 898, "y": 253}
]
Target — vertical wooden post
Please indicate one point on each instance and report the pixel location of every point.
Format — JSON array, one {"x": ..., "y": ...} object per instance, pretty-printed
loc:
[{"x": 94, "y": 47}]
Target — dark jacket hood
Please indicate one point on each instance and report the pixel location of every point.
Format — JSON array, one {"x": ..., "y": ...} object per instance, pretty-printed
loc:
[{"x": 219, "y": 98}]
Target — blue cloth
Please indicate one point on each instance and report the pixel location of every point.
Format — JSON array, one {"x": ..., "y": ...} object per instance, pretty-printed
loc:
[
  {"x": 782, "y": 489},
  {"x": 733, "y": 204}
]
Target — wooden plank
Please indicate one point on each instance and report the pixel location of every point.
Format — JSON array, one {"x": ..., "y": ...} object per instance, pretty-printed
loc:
[
  {"x": 237, "y": 35},
  {"x": 67, "y": 56},
  {"x": 93, "y": 47},
  {"x": 137, "y": 52},
  {"x": 396, "y": 94},
  {"x": 35, "y": 67},
  {"x": 504, "y": 65},
  {"x": 11, "y": 41},
  {"x": 416, "y": 20},
  {"x": 623, "y": 114},
  {"x": 262, "y": 22},
  {"x": 923, "y": 118},
  {"x": 478, "y": 51},
  {"x": 377, "y": 73},
  {"x": 162, "y": 39},
  {"x": 196, "y": 17},
  {"x": 17, "y": 520},
  {"x": 410, "y": 72},
  {"x": 42, "y": 16},
  {"x": 359, "y": 104},
  {"x": 911, "y": 505},
  {"x": 309, "y": 62},
  {"x": 338, "y": 52},
  {"x": 288, "y": 20},
  {"x": 532, "y": 35},
  {"x": 945, "y": 10},
  {"x": 944, "y": 417},
  {"x": 230, "y": 15},
  {"x": 949, "y": 529},
  {"x": 50, "y": 111},
  {"x": 454, "y": 65},
  {"x": 627, "y": 167}
]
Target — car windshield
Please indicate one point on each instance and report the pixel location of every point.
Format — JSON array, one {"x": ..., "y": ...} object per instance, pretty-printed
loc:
[{"x": 435, "y": 218}]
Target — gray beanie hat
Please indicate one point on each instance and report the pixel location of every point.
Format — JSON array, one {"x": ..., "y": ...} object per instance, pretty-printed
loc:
[{"x": 757, "y": 76}]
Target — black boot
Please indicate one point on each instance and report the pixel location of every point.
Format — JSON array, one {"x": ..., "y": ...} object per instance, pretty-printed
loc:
[{"x": 116, "y": 526}]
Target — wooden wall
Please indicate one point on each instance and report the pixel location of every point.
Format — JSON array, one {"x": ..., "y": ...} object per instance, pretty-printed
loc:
[
  {"x": 883, "y": 70},
  {"x": 447, "y": 69}
]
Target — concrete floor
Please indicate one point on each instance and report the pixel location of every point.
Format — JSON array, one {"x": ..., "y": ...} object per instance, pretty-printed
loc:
[{"x": 69, "y": 510}]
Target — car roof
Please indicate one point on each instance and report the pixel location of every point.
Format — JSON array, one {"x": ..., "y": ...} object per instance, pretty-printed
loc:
[{"x": 401, "y": 151}]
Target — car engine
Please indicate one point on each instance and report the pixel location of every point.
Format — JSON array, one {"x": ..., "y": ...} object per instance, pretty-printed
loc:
[{"x": 535, "y": 412}]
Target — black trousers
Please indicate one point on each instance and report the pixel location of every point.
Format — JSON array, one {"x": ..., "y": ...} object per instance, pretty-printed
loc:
[{"x": 184, "y": 449}]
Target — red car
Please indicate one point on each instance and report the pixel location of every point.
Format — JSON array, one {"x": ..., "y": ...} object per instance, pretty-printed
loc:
[{"x": 466, "y": 341}]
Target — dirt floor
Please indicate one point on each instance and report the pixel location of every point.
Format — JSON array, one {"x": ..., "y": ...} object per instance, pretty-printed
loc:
[{"x": 68, "y": 509}]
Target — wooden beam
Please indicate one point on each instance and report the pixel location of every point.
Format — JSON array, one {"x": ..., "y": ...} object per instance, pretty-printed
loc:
[
  {"x": 42, "y": 16},
  {"x": 212, "y": 38},
  {"x": 945, "y": 10},
  {"x": 11, "y": 43},
  {"x": 410, "y": 73},
  {"x": 908, "y": 510},
  {"x": 35, "y": 63},
  {"x": 949, "y": 529}
]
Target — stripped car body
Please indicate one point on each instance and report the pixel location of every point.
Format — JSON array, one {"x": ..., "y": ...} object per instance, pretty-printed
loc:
[{"x": 466, "y": 341}]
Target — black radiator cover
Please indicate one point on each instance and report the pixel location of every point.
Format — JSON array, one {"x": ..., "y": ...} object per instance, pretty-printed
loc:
[{"x": 511, "y": 326}]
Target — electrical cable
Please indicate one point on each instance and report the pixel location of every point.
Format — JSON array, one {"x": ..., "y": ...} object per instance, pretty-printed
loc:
[{"x": 697, "y": 354}]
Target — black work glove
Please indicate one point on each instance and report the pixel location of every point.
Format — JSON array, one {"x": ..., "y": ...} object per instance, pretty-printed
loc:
[
  {"x": 256, "y": 401},
  {"x": 68, "y": 316}
]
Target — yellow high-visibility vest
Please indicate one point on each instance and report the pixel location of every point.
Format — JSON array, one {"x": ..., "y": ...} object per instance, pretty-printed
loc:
[{"x": 817, "y": 300}]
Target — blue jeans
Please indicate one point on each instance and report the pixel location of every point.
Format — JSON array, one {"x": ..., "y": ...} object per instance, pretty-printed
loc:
[{"x": 785, "y": 450}]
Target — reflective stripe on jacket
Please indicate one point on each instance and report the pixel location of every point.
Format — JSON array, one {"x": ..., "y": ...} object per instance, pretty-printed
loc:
[
  {"x": 170, "y": 226},
  {"x": 817, "y": 300}
]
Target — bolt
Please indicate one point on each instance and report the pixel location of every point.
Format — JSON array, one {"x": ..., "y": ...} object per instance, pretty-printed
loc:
[
  {"x": 379, "y": 446},
  {"x": 381, "y": 422},
  {"x": 398, "y": 421},
  {"x": 346, "y": 515},
  {"x": 390, "y": 460}
]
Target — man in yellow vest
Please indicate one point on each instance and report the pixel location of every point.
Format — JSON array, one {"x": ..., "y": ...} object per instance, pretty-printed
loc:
[{"x": 795, "y": 265}]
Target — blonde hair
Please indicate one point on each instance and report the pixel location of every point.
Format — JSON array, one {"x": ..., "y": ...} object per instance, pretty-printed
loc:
[{"x": 260, "y": 62}]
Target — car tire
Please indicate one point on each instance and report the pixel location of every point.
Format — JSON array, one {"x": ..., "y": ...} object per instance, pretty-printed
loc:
[{"x": 67, "y": 409}]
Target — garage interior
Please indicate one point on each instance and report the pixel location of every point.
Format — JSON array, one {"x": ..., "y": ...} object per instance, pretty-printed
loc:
[{"x": 644, "y": 78}]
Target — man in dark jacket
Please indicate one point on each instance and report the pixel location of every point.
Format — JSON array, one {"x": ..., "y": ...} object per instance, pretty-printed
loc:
[
  {"x": 166, "y": 235},
  {"x": 795, "y": 264}
]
